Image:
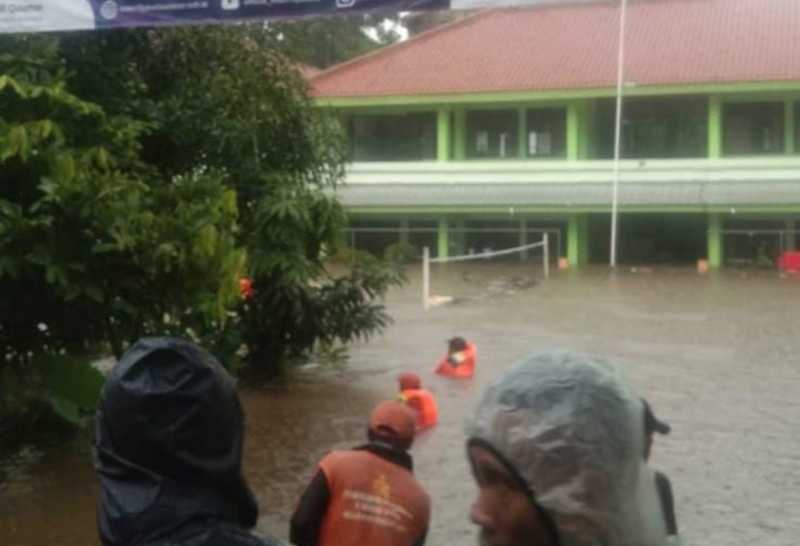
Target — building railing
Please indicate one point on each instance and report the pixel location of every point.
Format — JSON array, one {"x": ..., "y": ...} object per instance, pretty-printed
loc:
[{"x": 777, "y": 169}]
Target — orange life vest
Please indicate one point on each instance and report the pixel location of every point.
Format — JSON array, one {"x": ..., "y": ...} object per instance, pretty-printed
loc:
[
  {"x": 465, "y": 369},
  {"x": 372, "y": 502},
  {"x": 424, "y": 405}
]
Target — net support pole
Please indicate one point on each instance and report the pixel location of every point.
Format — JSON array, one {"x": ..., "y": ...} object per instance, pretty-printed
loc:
[
  {"x": 546, "y": 255},
  {"x": 426, "y": 277}
]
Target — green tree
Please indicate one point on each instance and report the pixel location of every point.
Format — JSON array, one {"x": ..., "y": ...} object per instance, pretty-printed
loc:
[
  {"x": 423, "y": 21},
  {"x": 96, "y": 246},
  {"x": 143, "y": 172},
  {"x": 246, "y": 112},
  {"x": 324, "y": 41}
]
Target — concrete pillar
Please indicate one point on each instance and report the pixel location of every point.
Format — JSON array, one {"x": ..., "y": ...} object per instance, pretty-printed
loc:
[
  {"x": 714, "y": 127},
  {"x": 442, "y": 240},
  {"x": 715, "y": 247},
  {"x": 577, "y": 240},
  {"x": 443, "y": 134}
]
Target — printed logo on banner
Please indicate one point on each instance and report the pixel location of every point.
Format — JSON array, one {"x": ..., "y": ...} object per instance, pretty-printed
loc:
[
  {"x": 230, "y": 4},
  {"x": 345, "y": 3},
  {"x": 109, "y": 10}
]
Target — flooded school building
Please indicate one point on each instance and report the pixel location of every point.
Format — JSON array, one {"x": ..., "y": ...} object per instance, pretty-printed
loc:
[{"x": 487, "y": 132}]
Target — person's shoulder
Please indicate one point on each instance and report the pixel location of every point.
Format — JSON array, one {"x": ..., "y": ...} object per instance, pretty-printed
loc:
[
  {"x": 416, "y": 486},
  {"x": 335, "y": 459},
  {"x": 338, "y": 455}
]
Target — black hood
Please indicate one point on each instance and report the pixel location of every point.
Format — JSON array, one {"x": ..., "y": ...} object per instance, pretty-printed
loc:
[{"x": 168, "y": 448}]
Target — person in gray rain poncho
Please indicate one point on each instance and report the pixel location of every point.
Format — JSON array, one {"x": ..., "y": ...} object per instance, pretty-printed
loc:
[
  {"x": 168, "y": 451},
  {"x": 556, "y": 449}
]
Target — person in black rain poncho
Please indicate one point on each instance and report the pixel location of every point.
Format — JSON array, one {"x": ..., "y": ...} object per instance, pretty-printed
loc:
[{"x": 168, "y": 452}]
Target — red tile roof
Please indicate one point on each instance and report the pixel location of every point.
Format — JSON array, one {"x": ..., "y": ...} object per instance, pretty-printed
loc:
[{"x": 575, "y": 47}]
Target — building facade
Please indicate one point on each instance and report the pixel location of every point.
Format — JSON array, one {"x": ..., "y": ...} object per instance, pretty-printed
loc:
[{"x": 487, "y": 132}]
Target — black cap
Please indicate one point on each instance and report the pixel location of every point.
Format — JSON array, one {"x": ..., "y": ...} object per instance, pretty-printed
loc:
[{"x": 652, "y": 423}]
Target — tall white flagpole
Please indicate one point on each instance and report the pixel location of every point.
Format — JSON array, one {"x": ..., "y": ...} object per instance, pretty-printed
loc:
[{"x": 618, "y": 132}]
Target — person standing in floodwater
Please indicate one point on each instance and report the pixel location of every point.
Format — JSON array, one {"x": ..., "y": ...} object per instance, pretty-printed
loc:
[
  {"x": 419, "y": 400},
  {"x": 168, "y": 451},
  {"x": 367, "y": 496},
  {"x": 459, "y": 363}
]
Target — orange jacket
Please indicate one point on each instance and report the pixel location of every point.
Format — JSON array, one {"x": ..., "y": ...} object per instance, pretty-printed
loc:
[
  {"x": 424, "y": 405},
  {"x": 465, "y": 369},
  {"x": 372, "y": 502}
]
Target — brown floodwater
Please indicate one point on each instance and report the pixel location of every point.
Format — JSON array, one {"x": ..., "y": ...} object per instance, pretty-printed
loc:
[{"x": 716, "y": 355}]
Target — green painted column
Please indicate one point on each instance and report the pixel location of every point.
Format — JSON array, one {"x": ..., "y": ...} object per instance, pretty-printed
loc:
[
  {"x": 714, "y": 127},
  {"x": 522, "y": 133},
  {"x": 788, "y": 126},
  {"x": 443, "y": 135},
  {"x": 573, "y": 130},
  {"x": 715, "y": 250},
  {"x": 460, "y": 134},
  {"x": 442, "y": 239},
  {"x": 577, "y": 240}
]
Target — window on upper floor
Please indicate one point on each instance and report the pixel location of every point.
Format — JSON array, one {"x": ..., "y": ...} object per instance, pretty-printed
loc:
[
  {"x": 392, "y": 137},
  {"x": 653, "y": 128},
  {"x": 753, "y": 128},
  {"x": 492, "y": 134},
  {"x": 546, "y": 130}
]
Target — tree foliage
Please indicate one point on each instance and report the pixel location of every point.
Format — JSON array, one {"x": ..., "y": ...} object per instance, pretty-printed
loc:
[
  {"x": 144, "y": 172},
  {"x": 95, "y": 247},
  {"x": 284, "y": 159},
  {"x": 324, "y": 41}
]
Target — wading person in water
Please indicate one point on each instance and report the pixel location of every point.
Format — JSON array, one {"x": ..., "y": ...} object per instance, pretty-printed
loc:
[
  {"x": 419, "y": 400},
  {"x": 555, "y": 447},
  {"x": 168, "y": 451},
  {"x": 459, "y": 363},
  {"x": 367, "y": 496}
]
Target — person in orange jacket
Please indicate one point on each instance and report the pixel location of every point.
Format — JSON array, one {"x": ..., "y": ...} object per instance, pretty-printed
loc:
[
  {"x": 460, "y": 359},
  {"x": 368, "y": 495},
  {"x": 418, "y": 399}
]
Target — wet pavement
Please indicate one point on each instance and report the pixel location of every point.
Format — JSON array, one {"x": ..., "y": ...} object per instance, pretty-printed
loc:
[{"x": 717, "y": 356}]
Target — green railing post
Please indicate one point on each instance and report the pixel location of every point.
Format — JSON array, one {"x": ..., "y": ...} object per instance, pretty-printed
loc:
[
  {"x": 715, "y": 250},
  {"x": 443, "y": 135},
  {"x": 442, "y": 239}
]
